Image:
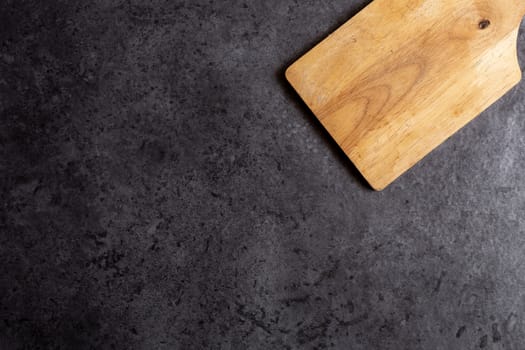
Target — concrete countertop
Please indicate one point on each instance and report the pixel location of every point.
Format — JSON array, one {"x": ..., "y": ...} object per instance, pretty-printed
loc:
[{"x": 164, "y": 188}]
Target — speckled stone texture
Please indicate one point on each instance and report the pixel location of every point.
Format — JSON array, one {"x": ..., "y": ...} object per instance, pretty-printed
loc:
[{"x": 164, "y": 188}]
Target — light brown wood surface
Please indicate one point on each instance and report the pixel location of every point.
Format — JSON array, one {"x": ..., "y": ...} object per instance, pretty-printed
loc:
[{"x": 402, "y": 76}]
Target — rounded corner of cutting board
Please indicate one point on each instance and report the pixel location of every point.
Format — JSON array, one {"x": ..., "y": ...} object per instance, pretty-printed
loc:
[
  {"x": 376, "y": 184},
  {"x": 292, "y": 74},
  {"x": 289, "y": 73},
  {"x": 376, "y": 187}
]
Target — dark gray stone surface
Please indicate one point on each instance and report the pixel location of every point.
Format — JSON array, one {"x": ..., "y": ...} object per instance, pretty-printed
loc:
[{"x": 163, "y": 188}]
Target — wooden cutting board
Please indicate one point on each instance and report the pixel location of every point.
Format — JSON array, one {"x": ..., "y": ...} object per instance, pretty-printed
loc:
[{"x": 402, "y": 76}]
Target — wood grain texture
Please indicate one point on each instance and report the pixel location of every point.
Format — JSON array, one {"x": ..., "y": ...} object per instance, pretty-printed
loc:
[{"x": 402, "y": 76}]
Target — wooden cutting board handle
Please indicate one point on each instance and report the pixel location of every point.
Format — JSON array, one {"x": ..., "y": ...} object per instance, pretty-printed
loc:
[
  {"x": 519, "y": 5},
  {"x": 402, "y": 76},
  {"x": 514, "y": 10}
]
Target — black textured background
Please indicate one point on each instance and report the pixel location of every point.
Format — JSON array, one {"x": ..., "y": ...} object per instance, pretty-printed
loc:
[{"x": 163, "y": 188}]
